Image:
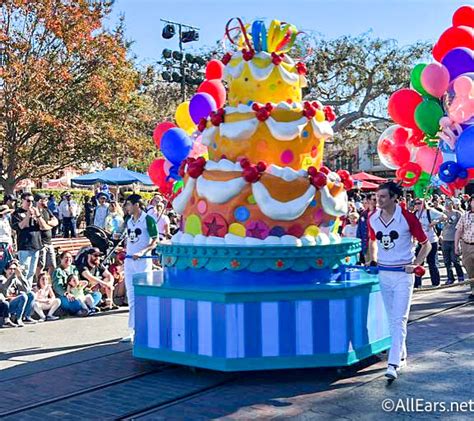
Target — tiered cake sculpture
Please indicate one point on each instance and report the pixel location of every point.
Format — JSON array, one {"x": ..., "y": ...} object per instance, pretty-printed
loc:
[{"x": 258, "y": 277}]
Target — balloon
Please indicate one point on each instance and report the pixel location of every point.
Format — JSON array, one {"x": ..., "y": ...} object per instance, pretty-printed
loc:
[
  {"x": 216, "y": 89},
  {"x": 401, "y": 107},
  {"x": 464, "y": 16},
  {"x": 427, "y": 116},
  {"x": 456, "y": 36},
  {"x": 400, "y": 155},
  {"x": 421, "y": 186},
  {"x": 174, "y": 173},
  {"x": 175, "y": 145},
  {"x": 459, "y": 99},
  {"x": 435, "y": 79},
  {"x": 157, "y": 173},
  {"x": 417, "y": 138},
  {"x": 465, "y": 148},
  {"x": 409, "y": 174},
  {"x": 214, "y": 69},
  {"x": 393, "y": 137},
  {"x": 429, "y": 159},
  {"x": 183, "y": 119},
  {"x": 415, "y": 78},
  {"x": 166, "y": 167},
  {"x": 458, "y": 61},
  {"x": 160, "y": 130},
  {"x": 200, "y": 106}
]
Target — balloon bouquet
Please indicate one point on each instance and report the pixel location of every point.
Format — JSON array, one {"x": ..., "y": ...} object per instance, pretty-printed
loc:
[
  {"x": 182, "y": 140},
  {"x": 432, "y": 144}
]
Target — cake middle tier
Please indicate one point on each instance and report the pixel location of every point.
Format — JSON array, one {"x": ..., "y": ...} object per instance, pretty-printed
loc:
[{"x": 282, "y": 134}]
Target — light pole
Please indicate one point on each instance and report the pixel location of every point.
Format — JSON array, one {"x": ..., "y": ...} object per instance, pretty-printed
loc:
[{"x": 186, "y": 33}]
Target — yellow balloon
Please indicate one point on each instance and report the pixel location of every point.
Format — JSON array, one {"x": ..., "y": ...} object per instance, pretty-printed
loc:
[{"x": 183, "y": 118}]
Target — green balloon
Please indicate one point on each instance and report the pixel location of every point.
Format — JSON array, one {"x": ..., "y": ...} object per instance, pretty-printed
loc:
[
  {"x": 421, "y": 187},
  {"x": 177, "y": 186},
  {"x": 427, "y": 115},
  {"x": 415, "y": 79}
]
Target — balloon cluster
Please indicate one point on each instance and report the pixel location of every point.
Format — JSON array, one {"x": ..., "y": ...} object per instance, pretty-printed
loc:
[
  {"x": 179, "y": 141},
  {"x": 432, "y": 144}
]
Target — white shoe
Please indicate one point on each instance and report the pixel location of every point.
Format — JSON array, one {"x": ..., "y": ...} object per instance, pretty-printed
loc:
[
  {"x": 127, "y": 339},
  {"x": 391, "y": 373}
]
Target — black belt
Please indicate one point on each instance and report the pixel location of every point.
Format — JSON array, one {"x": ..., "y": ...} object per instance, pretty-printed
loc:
[{"x": 471, "y": 244}]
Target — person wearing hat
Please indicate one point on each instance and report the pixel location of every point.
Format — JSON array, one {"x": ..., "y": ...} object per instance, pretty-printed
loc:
[
  {"x": 100, "y": 279},
  {"x": 68, "y": 212},
  {"x": 142, "y": 238},
  {"x": 47, "y": 259},
  {"x": 6, "y": 237}
]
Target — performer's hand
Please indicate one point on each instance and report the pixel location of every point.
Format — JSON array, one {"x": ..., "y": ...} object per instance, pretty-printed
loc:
[
  {"x": 410, "y": 268},
  {"x": 136, "y": 256}
]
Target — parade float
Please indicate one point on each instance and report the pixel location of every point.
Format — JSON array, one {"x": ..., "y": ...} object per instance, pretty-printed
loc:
[{"x": 257, "y": 277}]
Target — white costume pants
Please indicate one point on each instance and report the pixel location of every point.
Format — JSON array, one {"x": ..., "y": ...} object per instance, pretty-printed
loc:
[
  {"x": 397, "y": 290},
  {"x": 131, "y": 267}
]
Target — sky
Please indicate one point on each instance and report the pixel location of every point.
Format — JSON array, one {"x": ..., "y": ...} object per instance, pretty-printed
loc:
[{"x": 406, "y": 21}]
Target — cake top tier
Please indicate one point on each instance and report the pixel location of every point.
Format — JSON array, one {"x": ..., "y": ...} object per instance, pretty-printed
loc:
[{"x": 261, "y": 70}]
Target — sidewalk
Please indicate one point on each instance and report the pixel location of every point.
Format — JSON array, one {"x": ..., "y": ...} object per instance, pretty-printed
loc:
[{"x": 73, "y": 365}]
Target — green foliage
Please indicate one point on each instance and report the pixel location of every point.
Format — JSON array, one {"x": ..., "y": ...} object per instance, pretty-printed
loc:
[{"x": 77, "y": 194}]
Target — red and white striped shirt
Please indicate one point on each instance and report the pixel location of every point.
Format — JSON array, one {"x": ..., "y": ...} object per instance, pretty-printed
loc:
[{"x": 395, "y": 238}]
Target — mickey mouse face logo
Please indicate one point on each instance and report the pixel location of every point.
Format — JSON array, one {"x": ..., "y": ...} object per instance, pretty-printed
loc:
[
  {"x": 133, "y": 235},
  {"x": 386, "y": 241}
]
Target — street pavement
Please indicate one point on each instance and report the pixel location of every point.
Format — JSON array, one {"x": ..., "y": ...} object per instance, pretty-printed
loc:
[{"x": 76, "y": 369}]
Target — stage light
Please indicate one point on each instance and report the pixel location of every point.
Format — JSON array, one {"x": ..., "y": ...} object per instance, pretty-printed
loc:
[
  {"x": 169, "y": 31},
  {"x": 189, "y": 36}
]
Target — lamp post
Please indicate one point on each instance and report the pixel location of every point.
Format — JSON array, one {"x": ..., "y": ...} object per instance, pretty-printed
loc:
[{"x": 177, "y": 59}]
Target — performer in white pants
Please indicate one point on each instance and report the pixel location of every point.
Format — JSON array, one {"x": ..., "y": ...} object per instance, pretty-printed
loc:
[
  {"x": 142, "y": 238},
  {"x": 392, "y": 230}
]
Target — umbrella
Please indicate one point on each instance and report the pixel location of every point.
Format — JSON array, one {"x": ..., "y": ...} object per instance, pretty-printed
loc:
[
  {"x": 366, "y": 185},
  {"x": 115, "y": 176},
  {"x": 364, "y": 176}
]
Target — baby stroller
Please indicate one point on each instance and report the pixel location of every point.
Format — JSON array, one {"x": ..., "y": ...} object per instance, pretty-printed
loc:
[{"x": 101, "y": 239}]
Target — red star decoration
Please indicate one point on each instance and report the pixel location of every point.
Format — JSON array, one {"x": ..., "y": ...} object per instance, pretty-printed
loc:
[
  {"x": 280, "y": 263},
  {"x": 213, "y": 227},
  {"x": 195, "y": 262},
  {"x": 320, "y": 262},
  {"x": 235, "y": 263}
]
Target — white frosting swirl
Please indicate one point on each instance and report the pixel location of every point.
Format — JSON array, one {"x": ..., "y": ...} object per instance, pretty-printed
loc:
[{"x": 219, "y": 191}]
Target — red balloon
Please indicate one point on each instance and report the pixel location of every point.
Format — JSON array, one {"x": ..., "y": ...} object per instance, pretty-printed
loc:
[
  {"x": 400, "y": 136},
  {"x": 456, "y": 36},
  {"x": 216, "y": 89},
  {"x": 214, "y": 70},
  {"x": 464, "y": 16},
  {"x": 401, "y": 107},
  {"x": 400, "y": 155},
  {"x": 156, "y": 172},
  {"x": 160, "y": 130},
  {"x": 417, "y": 138}
]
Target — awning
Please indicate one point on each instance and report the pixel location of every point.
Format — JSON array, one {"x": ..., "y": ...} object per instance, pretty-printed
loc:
[{"x": 114, "y": 176}]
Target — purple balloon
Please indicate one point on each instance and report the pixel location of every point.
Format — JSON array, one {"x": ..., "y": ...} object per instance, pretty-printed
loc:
[
  {"x": 458, "y": 61},
  {"x": 200, "y": 106}
]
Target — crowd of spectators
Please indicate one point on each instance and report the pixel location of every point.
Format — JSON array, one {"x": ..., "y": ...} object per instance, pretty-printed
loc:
[
  {"x": 40, "y": 283},
  {"x": 448, "y": 223}
]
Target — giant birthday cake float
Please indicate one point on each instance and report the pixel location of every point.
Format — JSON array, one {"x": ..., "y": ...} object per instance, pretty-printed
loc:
[{"x": 264, "y": 182}]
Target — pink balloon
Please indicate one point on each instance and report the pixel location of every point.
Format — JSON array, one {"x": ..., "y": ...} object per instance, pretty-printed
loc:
[
  {"x": 166, "y": 167},
  {"x": 435, "y": 79},
  {"x": 428, "y": 159}
]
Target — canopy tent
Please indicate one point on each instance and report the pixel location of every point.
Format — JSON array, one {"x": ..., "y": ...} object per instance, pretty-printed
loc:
[
  {"x": 364, "y": 176},
  {"x": 366, "y": 185},
  {"x": 114, "y": 176}
]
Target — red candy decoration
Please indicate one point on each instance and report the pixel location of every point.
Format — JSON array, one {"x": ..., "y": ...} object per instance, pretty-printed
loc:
[
  {"x": 325, "y": 170},
  {"x": 312, "y": 171},
  {"x": 261, "y": 166},
  {"x": 227, "y": 57},
  {"x": 319, "y": 180},
  {"x": 329, "y": 113},
  {"x": 248, "y": 54},
  {"x": 301, "y": 68},
  {"x": 263, "y": 114},
  {"x": 202, "y": 124},
  {"x": 244, "y": 163},
  {"x": 251, "y": 174},
  {"x": 277, "y": 58}
]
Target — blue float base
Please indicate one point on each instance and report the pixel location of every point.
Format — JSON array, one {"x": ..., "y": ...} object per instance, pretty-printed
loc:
[{"x": 233, "y": 328}]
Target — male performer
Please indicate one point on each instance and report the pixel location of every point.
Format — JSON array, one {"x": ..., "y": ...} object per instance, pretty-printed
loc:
[
  {"x": 392, "y": 230},
  {"x": 142, "y": 238}
]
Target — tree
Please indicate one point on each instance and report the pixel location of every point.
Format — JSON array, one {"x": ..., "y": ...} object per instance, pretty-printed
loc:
[
  {"x": 356, "y": 75},
  {"x": 68, "y": 95}
]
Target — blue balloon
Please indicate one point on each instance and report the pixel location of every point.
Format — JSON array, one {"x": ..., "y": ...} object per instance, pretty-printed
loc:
[
  {"x": 174, "y": 173},
  {"x": 449, "y": 171},
  {"x": 465, "y": 148},
  {"x": 458, "y": 61},
  {"x": 176, "y": 145}
]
